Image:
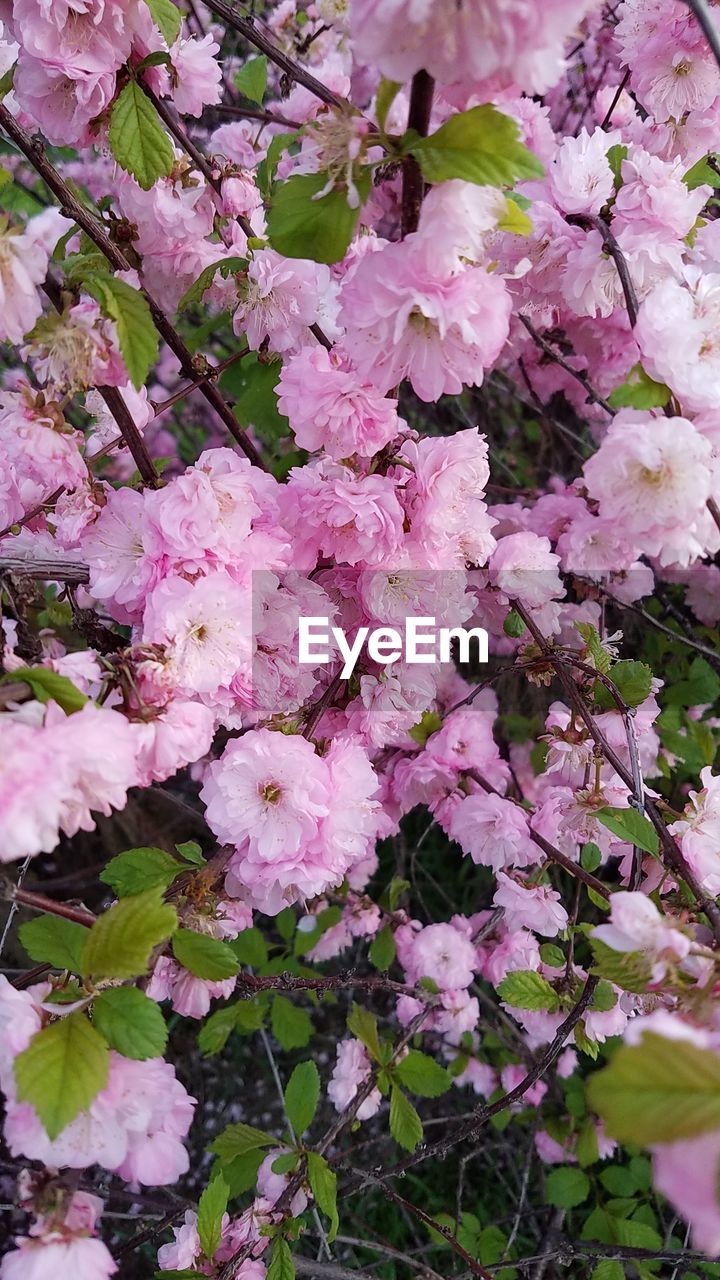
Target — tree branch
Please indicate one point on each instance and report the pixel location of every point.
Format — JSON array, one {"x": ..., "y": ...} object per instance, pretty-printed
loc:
[{"x": 413, "y": 183}]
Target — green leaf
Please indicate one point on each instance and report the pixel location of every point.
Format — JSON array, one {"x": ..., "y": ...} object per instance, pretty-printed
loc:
[
  {"x": 639, "y": 391},
  {"x": 136, "y": 331},
  {"x": 191, "y": 852},
  {"x": 62, "y": 1070},
  {"x": 590, "y": 856},
  {"x": 604, "y": 998},
  {"x": 552, "y": 955},
  {"x": 608, "y": 1270},
  {"x": 52, "y": 940},
  {"x": 363, "y": 1025},
  {"x": 526, "y": 989},
  {"x": 480, "y": 145},
  {"x": 251, "y": 79},
  {"x": 634, "y": 684},
  {"x": 47, "y": 684},
  {"x": 121, "y": 941},
  {"x": 285, "y": 924},
  {"x": 211, "y": 1207},
  {"x": 701, "y": 174},
  {"x": 250, "y": 947},
  {"x": 615, "y": 157},
  {"x": 382, "y": 949},
  {"x": 166, "y": 17},
  {"x": 130, "y": 1022},
  {"x": 566, "y": 1187},
  {"x": 701, "y": 686},
  {"x": 286, "y": 1163},
  {"x": 302, "y": 1096},
  {"x": 137, "y": 870},
  {"x": 6, "y": 82},
  {"x": 387, "y": 92},
  {"x": 423, "y": 1075},
  {"x": 238, "y": 1139},
  {"x": 252, "y": 382},
  {"x": 513, "y": 625},
  {"x": 405, "y": 1123},
  {"x": 203, "y": 956},
  {"x": 628, "y": 824},
  {"x": 281, "y": 1266},
  {"x": 299, "y": 226},
  {"x": 323, "y": 1184},
  {"x": 291, "y": 1026},
  {"x": 215, "y": 1031},
  {"x": 586, "y": 1147},
  {"x": 658, "y": 1091},
  {"x": 427, "y": 725},
  {"x": 241, "y": 1173},
  {"x": 515, "y": 219},
  {"x": 137, "y": 139},
  {"x": 618, "y": 1181},
  {"x": 601, "y": 658}
]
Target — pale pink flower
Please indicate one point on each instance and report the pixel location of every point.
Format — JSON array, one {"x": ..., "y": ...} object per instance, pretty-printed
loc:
[
  {"x": 530, "y": 907},
  {"x": 62, "y": 105},
  {"x": 82, "y": 1258},
  {"x": 439, "y": 951},
  {"x": 206, "y": 627},
  {"x": 445, "y": 498},
  {"x": 522, "y": 566},
  {"x": 352, "y": 1068},
  {"x": 330, "y": 407},
  {"x": 581, "y": 178},
  {"x": 197, "y": 80},
  {"x": 636, "y": 925},
  {"x": 405, "y": 317},
  {"x": 23, "y": 266},
  {"x": 281, "y": 298},
  {"x": 494, "y": 831}
]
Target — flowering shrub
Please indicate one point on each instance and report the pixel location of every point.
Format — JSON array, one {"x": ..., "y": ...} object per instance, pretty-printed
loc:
[{"x": 359, "y": 313}]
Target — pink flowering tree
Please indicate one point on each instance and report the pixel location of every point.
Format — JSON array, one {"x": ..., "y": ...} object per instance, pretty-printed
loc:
[{"x": 359, "y": 639}]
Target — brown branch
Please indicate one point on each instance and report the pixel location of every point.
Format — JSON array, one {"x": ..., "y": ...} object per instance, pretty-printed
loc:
[
  {"x": 580, "y": 377},
  {"x": 46, "y": 570},
  {"x": 250, "y": 113},
  {"x": 247, "y": 28},
  {"x": 214, "y": 372},
  {"x": 72, "y": 208},
  {"x": 593, "y": 221},
  {"x": 38, "y": 902},
  {"x": 413, "y": 183}
]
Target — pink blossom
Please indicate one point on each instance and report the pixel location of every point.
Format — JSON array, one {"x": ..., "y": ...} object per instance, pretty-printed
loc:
[
  {"x": 637, "y": 925},
  {"x": 206, "y": 629},
  {"x": 686, "y": 1172},
  {"x": 527, "y": 907},
  {"x": 281, "y": 299},
  {"x": 440, "y": 952},
  {"x": 406, "y": 318},
  {"x": 352, "y": 1069},
  {"x": 82, "y": 1258},
  {"x": 330, "y": 407},
  {"x": 197, "y": 81},
  {"x": 23, "y": 266},
  {"x": 494, "y": 831},
  {"x": 581, "y": 178},
  {"x": 62, "y": 105},
  {"x": 523, "y": 566}
]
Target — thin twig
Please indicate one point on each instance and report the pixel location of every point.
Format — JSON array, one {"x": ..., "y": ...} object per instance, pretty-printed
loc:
[{"x": 413, "y": 182}]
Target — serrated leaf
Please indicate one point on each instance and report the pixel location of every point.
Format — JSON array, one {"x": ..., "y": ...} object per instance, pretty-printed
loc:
[
  {"x": 615, "y": 156},
  {"x": 286, "y": 1163},
  {"x": 302, "y": 1096},
  {"x": 130, "y": 1022},
  {"x": 387, "y": 92},
  {"x": 323, "y": 1184},
  {"x": 47, "y": 684},
  {"x": 137, "y": 139},
  {"x": 62, "y": 1070},
  {"x": 608, "y": 1269},
  {"x": 634, "y": 684},
  {"x": 167, "y": 19},
  {"x": 423, "y": 1075},
  {"x": 241, "y": 1172},
  {"x": 604, "y": 997},
  {"x": 53, "y": 940},
  {"x": 382, "y": 949},
  {"x": 203, "y": 956},
  {"x": 639, "y": 391},
  {"x": 137, "y": 870},
  {"x": 251, "y": 79},
  {"x": 701, "y": 686},
  {"x": 525, "y": 989},
  {"x": 702, "y": 174},
  {"x": 300, "y": 226},
  {"x": 405, "y": 1123},
  {"x": 281, "y": 1266},
  {"x": 601, "y": 658},
  {"x": 137, "y": 335},
  {"x": 590, "y": 856},
  {"x": 552, "y": 955},
  {"x": 618, "y": 1181},
  {"x": 566, "y": 1187},
  {"x": 363, "y": 1025},
  {"x": 587, "y": 1148},
  {"x": 291, "y": 1026},
  {"x": 658, "y": 1091},
  {"x": 428, "y": 724},
  {"x": 480, "y": 145},
  {"x": 214, "y": 1033},
  {"x": 250, "y": 947},
  {"x": 238, "y": 1139},
  {"x": 211, "y": 1207},
  {"x": 628, "y": 824},
  {"x": 121, "y": 941},
  {"x": 191, "y": 852}
]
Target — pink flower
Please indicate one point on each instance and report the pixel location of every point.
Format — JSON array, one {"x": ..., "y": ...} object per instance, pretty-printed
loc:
[
  {"x": 523, "y": 566},
  {"x": 81, "y": 1258},
  {"x": 197, "y": 81},
  {"x": 23, "y": 266},
  {"x": 494, "y": 831},
  {"x": 440, "y": 952},
  {"x": 526, "y": 907},
  {"x": 330, "y": 407},
  {"x": 699, "y": 832},
  {"x": 281, "y": 299},
  {"x": 445, "y": 498},
  {"x": 581, "y": 178},
  {"x": 206, "y": 627},
  {"x": 652, "y": 477},
  {"x": 352, "y": 1068},
  {"x": 407, "y": 318},
  {"x": 349, "y": 518},
  {"x": 637, "y": 925},
  {"x": 62, "y": 105},
  {"x": 80, "y": 35},
  {"x": 677, "y": 334}
]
